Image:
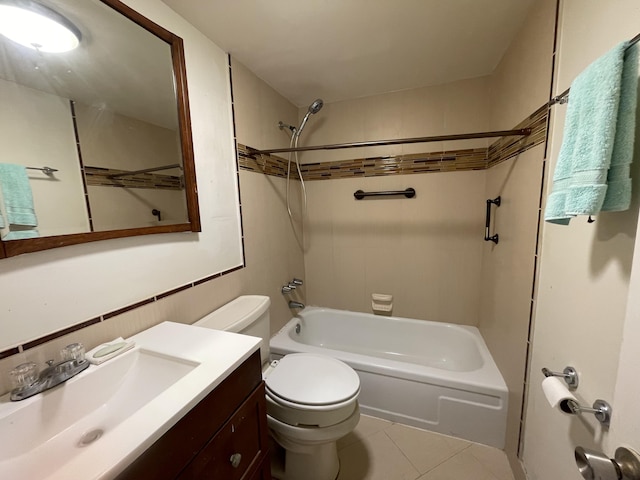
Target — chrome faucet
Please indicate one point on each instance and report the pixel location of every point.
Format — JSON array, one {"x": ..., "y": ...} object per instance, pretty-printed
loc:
[
  {"x": 293, "y": 304},
  {"x": 28, "y": 382}
]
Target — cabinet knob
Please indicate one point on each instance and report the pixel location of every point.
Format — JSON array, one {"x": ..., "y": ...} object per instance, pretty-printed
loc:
[{"x": 235, "y": 460}]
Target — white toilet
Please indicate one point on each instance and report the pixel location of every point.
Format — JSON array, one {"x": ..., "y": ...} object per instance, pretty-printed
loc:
[{"x": 311, "y": 399}]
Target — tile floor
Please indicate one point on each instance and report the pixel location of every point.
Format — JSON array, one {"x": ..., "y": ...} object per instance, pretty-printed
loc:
[{"x": 382, "y": 450}]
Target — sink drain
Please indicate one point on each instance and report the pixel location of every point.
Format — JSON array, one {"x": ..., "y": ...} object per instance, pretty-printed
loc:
[{"x": 90, "y": 437}]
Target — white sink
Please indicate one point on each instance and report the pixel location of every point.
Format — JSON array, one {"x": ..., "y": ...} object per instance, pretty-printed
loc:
[
  {"x": 94, "y": 425},
  {"x": 42, "y": 433}
]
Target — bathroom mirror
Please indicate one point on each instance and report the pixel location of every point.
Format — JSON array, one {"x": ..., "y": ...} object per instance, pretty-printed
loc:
[{"x": 103, "y": 130}]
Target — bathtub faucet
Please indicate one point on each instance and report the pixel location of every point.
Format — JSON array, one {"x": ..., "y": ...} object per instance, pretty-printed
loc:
[{"x": 293, "y": 304}]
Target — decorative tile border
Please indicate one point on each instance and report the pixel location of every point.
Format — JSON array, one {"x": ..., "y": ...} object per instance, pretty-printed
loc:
[
  {"x": 96, "y": 176},
  {"x": 102, "y": 318},
  {"x": 430, "y": 162},
  {"x": 447, "y": 161},
  {"x": 509, "y": 147},
  {"x": 272, "y": 165}
]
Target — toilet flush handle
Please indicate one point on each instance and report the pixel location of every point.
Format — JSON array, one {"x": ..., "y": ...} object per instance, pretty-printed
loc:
[{"x": 235, "y": 459}]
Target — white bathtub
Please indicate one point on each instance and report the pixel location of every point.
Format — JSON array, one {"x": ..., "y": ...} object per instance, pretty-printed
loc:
[{"x": 431, "y": 375}]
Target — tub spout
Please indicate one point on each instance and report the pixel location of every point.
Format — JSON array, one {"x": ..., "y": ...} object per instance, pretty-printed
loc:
[{"x": 293, "y": 304}]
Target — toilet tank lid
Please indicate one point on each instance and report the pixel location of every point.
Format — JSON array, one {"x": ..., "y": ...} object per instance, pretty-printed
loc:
[{"x": 236, "y": 315}]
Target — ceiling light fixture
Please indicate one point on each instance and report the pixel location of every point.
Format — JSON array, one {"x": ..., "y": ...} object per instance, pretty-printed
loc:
[{"x": 38, "y": 27}]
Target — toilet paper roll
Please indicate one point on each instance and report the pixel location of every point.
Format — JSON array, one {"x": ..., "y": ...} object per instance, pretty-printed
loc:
[{"x": 557, "y": 393}]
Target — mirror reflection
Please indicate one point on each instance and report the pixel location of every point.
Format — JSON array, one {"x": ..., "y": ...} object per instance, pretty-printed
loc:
[{"x": 90, "y": 135}]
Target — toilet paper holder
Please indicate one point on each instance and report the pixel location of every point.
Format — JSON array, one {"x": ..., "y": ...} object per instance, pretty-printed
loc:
[
  {"x": 569, "y": 374},
  {"x": 600, "y": 409}
]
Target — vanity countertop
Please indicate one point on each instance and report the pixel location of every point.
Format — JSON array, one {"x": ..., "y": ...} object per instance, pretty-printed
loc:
[{"x": 214, "y": 355}]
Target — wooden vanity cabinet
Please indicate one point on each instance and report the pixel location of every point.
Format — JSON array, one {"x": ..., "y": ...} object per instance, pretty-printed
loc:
[{"x": 224, "y": 437}]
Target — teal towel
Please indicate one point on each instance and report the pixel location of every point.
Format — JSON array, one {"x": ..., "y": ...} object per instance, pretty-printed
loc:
[
  {"x": 618, "y": 195},
  {"x": 17, "y": 196},
  {"x": 601, "y": 115}
]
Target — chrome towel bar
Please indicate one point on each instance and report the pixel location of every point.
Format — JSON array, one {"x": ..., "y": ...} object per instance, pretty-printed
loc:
[{"x": 46, "y": 170}]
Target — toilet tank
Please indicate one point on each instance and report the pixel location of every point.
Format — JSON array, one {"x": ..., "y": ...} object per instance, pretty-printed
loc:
[{"x": 248, "y": 314}]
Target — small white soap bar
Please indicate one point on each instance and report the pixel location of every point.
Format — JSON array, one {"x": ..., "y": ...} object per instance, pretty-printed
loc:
[{"x": 114, "y": 347}]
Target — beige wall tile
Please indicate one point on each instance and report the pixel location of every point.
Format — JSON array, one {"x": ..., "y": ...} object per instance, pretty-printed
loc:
[
  {"x": 258, "y": 108},
  {"x": 459, "y": 107},
  {"x": 507, "y": 274},
  {"x": 273, "y": 243},
  {"x": 521, "y": 82},
  {"x": 273, "y": 248},
  {"x": 426, "y": 251},
  {"x": 519, "y": 86}
]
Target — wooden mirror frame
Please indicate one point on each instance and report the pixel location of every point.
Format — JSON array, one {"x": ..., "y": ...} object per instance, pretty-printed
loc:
[{"x": 17, "y": 247}]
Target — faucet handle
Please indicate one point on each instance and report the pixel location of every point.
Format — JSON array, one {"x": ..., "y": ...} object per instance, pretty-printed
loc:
[
  {"x": 75, "y": 351},
  {"x": 24, "y": 375},
  {"x": 297, "y": 281},
  {"x": 286, "y": 289}
]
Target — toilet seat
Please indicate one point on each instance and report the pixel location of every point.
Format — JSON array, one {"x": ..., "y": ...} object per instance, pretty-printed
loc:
[
  {"x": 311, "y": 380},
  {"x": 310, "y": 389}
]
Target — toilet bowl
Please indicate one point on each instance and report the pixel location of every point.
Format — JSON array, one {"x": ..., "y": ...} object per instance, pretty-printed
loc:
[{"x": 312, "y": 400}]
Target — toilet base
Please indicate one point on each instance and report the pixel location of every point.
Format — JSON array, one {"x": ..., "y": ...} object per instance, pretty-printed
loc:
[
  {"x": 317, "y": 462},
  {"x": 308, "y": 453}
]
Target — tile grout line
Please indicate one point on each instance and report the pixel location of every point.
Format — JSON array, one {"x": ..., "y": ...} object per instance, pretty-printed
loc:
[
  {"x": 402, "y": 452},
  {"x": 409, "y": 460}
]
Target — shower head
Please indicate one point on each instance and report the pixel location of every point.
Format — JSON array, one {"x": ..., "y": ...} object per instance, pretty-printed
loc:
[
  {"x": 313, "y": 109},
  {"x": 316, "y": 106}
]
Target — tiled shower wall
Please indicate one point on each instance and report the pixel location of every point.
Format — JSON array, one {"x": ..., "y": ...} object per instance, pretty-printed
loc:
[
  {"x": 428, "y": 251},
  {"x": 520, "y": 84}
]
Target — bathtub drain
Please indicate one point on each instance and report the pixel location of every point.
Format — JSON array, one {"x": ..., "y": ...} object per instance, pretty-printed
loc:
[{"x": 90, "y": 437}]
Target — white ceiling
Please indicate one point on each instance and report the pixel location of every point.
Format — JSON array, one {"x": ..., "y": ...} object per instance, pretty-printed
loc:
[
  {"x": 118, "y": 66},
  {"x": 343, "y": 49}
]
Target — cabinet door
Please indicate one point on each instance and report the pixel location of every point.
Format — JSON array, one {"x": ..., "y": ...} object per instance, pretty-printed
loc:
[{"x": 238, "y": 448}]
